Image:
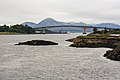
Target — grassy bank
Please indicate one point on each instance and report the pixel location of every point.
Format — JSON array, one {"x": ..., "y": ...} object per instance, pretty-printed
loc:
[{"x": 8, "y": 33}]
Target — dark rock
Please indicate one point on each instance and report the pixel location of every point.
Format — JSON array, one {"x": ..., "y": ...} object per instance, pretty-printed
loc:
[
  {"x": 113, "y": 43},
  {"x": 113, "y": 54},
  {"x": 93, "y": 43},
  {"x": 70, "y": 40},
  {"x": 37, "y": 43}
]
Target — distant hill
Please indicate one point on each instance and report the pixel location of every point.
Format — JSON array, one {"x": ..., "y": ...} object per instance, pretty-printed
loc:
[
  {"x": 52, "y": 22},
  {"x": 108, "y": 25},
  {"x": 49, "y": 22},
  {"x": 31, "y": 24}
]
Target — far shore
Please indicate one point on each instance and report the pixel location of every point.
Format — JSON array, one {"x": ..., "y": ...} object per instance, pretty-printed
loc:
[
  {"x": 9, "y": 33},
  {"x": 14, "y": 33}
]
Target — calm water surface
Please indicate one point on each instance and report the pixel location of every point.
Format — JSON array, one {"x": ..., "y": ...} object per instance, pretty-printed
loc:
[{"x": 59, "y": 62}]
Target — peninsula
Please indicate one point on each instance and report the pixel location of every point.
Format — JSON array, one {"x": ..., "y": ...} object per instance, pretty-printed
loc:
[{"x": 105, "y": 38}]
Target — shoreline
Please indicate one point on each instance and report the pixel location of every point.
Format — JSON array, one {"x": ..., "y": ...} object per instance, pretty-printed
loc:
[{"x": 48, "y": 34}]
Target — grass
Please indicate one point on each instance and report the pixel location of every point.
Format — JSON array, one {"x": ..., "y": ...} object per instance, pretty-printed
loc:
[
  {"x": 99, "y": 35},
  {"x": 8, "y": 33}
]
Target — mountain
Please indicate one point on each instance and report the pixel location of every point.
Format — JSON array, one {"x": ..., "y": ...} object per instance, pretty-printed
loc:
[
  {"x": 31, "y": 24},
  {"x": 81, "y": 24},
  {"x": 52, "y": 22},
  {"x": 108, "y": 25},
  {"x": 49, "y": 22}
]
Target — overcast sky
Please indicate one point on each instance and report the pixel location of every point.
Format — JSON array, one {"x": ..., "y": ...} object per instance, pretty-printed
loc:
[{"x": 88, "y": 11}]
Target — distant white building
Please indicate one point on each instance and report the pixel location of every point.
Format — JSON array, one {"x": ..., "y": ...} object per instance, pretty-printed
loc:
[
  {"x": 37, "y": 32},
  {"x": 40, "y": 31}
]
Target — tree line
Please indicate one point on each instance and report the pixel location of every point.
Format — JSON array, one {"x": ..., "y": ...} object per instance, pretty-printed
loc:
[{"x": 17, "y": 28}]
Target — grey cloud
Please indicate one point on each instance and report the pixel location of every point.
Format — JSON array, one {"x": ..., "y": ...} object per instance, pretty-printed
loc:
[{"x": 64, "y": 10}]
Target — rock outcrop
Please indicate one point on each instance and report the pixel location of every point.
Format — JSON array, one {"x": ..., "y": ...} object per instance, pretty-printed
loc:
[
  {"x": 93, "y": 43},
  {"x": 37, "y": 43},
  {"x": 108, "y": 42},
  {"x": 113, "y": 54}
]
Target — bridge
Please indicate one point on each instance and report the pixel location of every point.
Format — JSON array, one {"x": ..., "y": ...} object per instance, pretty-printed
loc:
[{"x": 42, "y": 29}]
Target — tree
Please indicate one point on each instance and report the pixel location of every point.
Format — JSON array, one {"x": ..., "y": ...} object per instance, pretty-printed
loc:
[
  {"x": 4, "y": 28},
  {"x": 22, "y": 29},
  {"x": 105, "y": 30},
  {"x": 17, "y": 28},
  {"x": 95, "y": 29}
]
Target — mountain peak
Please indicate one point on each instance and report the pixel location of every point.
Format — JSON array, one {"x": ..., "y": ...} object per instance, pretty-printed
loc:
[
  {"x": 49, "y": 19},
  {"x": 48, "y": 22}
]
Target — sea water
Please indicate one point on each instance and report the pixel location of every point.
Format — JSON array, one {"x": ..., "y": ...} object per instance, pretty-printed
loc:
[
  {"x": 57, "y": 62},
  {"x": 71, "y": 29}
]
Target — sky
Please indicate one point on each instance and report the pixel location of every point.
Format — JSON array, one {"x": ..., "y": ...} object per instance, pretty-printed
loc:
[{"x": 88, "y": 11}]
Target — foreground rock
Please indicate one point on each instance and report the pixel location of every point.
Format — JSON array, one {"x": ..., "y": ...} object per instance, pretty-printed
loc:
[
  {"x": 37, "y": 43},
  {"x": 113, "y": 54}
]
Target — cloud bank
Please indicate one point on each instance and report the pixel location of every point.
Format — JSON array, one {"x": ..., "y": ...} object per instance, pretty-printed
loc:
[{"x": 89, "y": 11}]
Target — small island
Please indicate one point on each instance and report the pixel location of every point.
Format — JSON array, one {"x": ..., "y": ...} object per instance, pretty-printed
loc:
[
  {"x": 108, "y": 38},
  {"x": 37, "y": 43}
]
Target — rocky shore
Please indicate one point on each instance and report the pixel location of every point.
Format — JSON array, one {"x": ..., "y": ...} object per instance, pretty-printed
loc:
[
  {"x": 93, "y": 42},
  {"x": 97, "y": 41},
  {"x": 113, "y": 54},
  {"x": 37, "y": 43}
]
